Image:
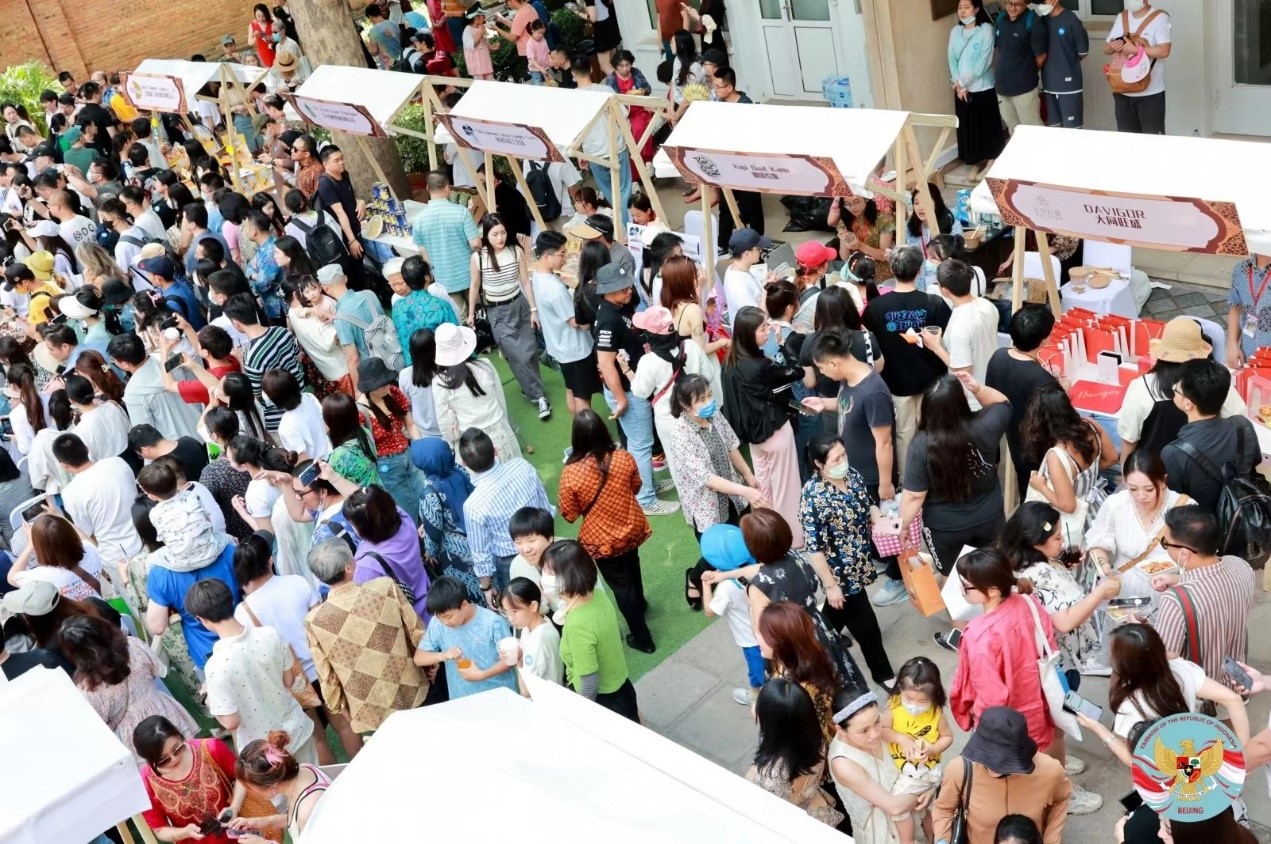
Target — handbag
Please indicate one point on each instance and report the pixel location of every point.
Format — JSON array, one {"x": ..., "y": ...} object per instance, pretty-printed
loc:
[
  {"x": 1073, "y": 524},
  {"x": 1048, "y": 672},
  {"x": 1132, "y": 75},
  {"x": 300, "y": 689},
  {"x": 1191, "y": 638},
  {"x": 886, "y": 535},
  {"x": 919, "y": 575},
  {"x": 959, "y": 831},
  {"x": 388, "y": 572}
]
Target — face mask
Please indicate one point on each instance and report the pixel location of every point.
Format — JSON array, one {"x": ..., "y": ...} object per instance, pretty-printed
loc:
[
  {"x": 549, "y": 585},
  {"x": 916, "y": 709},
  {"x": 707, "y": 410},
  {"x": 1134, "y": 5},
  {"x": 836, "y": 473},
  {"x": 971, "y": 20},
  {"x": 1045, "y": 9}
]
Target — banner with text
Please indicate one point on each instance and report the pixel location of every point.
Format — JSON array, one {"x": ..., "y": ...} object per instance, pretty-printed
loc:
[
  {"x": 1177, "y": 224},
  {"x": 514, "y": 139},
  {"x": 772, "y": 173},
  {"x": 152, "y": 92},
  {"x": 339, "y": 117}
]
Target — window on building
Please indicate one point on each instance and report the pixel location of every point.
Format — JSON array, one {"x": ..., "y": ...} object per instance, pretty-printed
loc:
[
  {"x": 1110, "y": 8},
  {"x": 653, "y": 13}
]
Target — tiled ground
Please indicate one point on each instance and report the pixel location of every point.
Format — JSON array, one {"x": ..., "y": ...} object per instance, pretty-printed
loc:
[{"x": 1187, "y": 300}]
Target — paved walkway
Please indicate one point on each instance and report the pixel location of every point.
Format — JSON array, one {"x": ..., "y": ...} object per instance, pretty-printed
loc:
[{"x": 688, "y": 698}]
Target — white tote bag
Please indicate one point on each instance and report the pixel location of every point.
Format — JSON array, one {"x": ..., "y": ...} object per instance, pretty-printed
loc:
[
  {"x": 1048, "y": 671},
  {"x": 954, "y": 601}
]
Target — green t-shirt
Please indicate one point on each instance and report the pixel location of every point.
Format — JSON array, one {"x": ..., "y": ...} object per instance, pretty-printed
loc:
[{"x": 591, "y": 643}]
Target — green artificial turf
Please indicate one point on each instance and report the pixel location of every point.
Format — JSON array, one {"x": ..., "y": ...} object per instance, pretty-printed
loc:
[{"x": 663, "y": 558}]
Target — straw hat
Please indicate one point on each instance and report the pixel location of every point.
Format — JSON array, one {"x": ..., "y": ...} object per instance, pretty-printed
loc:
[
  {"x": 455, "y": 344},
  {"x": 285, "y": 62},
  {"x": 1181, "y": 341}
]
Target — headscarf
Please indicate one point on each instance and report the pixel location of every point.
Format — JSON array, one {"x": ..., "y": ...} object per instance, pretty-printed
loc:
[{"x": 434, "y": 457}]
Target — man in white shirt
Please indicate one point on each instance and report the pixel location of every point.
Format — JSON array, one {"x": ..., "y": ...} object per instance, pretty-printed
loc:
[
  {"x": 249, "y": 674},
  {"x": 597, "y": 144},
  {"x": 74, "y": 228},
  {"x": 1142, "y": 112},
  {"x": 741, "y": 287},
  {"x": 112, "y": 213},
  {"x": 971, "y": 336},
  {"x": 99, "y": 499},
  {"x": 137, "y": 204}
]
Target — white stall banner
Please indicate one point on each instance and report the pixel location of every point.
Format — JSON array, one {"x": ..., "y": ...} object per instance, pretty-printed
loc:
[
  {"x": 351, "y": 118},
  {"x": 524, "y": 142},
  {"x": 152, "y": 92},
  {"x": 772, "y": 173}
]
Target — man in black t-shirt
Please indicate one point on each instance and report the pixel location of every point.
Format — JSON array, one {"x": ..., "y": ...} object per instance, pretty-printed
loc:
[
  {"x": 618, "y": 351},
  {"x": 336, "y": 195},
  {"x": 149, "y": 445},
  {"x": 910, "y": 368},
  {"x": 93, "y": 112},
  {"x": 1017, "y": 374}
]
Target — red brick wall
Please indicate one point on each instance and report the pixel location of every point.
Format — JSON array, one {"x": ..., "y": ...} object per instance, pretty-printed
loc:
[{"x": 87, "y": 35}]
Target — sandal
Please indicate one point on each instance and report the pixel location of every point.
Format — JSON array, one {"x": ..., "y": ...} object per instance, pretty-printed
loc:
[{"x": 694, "y": 601}]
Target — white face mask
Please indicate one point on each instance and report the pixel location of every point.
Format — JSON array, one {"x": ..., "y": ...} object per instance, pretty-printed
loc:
[
  {"x": 1134, "y": 5},
  {"x": 971, "y": 20},
  {"x": 836, "y": 473},
  {"x": 916, "y": 709},
  {"x": 1044, "y": 9}
]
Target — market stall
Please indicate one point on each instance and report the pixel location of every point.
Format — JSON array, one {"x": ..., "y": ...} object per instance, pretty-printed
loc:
[
  {"x": 173, "y": 86},
  {"x": 559, "y": 760},
  {"x": 68, "y": 777},
  {"x": 801, "y": 150},
  {"x": 538, "y": 123},
  {"x": 1179, "y": 194}
]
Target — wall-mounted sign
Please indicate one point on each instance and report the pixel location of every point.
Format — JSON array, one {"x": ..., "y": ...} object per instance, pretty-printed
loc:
[
  {"x": 152, "y": 92},
  {"x": 772, "y": 173},
  {"x": 525, "y": 142},
  {"x": 350, "y": 118},
  {"x": 1177, "y": 224}
]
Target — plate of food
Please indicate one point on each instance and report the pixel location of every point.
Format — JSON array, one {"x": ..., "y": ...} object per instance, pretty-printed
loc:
[
  {"x": 1154, "y": 567},
  {"x": 373, "y": 227}
]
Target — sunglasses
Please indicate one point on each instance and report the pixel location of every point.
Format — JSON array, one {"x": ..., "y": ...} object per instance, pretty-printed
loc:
[{"x": 165, "y": 761}]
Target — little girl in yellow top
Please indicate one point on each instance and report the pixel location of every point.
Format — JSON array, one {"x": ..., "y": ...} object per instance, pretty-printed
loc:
[{"x": 917, "y": 732}]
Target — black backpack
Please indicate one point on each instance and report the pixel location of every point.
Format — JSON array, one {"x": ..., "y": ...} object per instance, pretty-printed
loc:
[
  {"x": 321, "y": 242},
  {"x": 545, "y": 198},
  {"x": 1244, "y": 505}
]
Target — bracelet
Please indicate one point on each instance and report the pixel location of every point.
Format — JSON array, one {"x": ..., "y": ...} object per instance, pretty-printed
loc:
[{"x": 1112, "y": 737}]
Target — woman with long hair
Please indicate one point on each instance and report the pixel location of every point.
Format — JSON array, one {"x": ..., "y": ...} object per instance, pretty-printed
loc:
[
  {"x": 1033, "y": 541},
  {"x": 1147, "y": 683},
  {"x": 834, "y": 311},
  {"x": 864, "y": 227},
  {"x": 1072, "y": 451},
  {"x": 353, "y": 456},
  {"x": 951, "y": 474},
  {"x": 309, "y": 316},
  {"x": 416, "y": 380},
  {"x": 441, "y": 522},
  {"x": 682, "y": 295},
  {"x": 264, "y": 203},
  {"x": 269, "y": 771},
  {"x": 26, "y": 414},
  {"x": 116, "y": 675},
  {"x": 48, "y": 239},
  {"x": 757, "y": 394},
  {"x": 981, "y": 135},
  {"x": 188, "y": 781},
  {"x": 834, "y": 509},
  {"x": 501, "y": 284},
  {"x": 291, "y": 257},
  {"x": 920, "y": 232},
  {"x": 790, "y": 759},
  {"x": 586, "y": 202},
  {"x": 686, "y": 70},
  {"x": 260, "y": 32},
  {"x": 392, "y": 429},
  {"x": 62, "y": 559},
  {"x": 257, "y": 458},
  {"x": 599, "y": 484},
  {"x": 787, "y": 637},
  {"x": 591, "y": 258},
  {"x": 468, "y": 393},
  {"x": 389, "y": 545},
  {"x": 106, "y": 383},
  {"x": 43, "y": 472},
  {"x": 238, "y": 396}
]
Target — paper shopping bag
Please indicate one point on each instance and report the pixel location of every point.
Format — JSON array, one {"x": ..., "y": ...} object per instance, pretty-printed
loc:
[
  {"x": 954, "y": 601},
  {"x": 919, "y": 573}
]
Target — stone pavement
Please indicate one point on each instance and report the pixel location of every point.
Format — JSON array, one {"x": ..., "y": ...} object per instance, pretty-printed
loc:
[{"x": 688, "y": 698}]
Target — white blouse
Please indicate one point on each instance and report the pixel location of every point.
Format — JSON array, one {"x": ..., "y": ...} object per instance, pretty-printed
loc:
[{"x": 1117, "y": 529}]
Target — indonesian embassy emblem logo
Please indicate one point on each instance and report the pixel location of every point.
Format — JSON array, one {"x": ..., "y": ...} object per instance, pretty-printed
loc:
[{"x": 1189, "y": 767}]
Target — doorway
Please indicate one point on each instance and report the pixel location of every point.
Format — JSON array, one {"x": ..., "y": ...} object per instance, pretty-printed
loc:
[
  {"x": 1242, "y": 75},
  {"x": 806, "y": 41}
]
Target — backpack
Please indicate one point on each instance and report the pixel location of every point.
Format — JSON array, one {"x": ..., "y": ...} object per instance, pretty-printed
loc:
[
  {"x": 540, "y": 184},
  {"x": 106, "y": 238},
  {"x": 408, "y": 63},
  {"x": 1124, "y": 77},
  {"x": 1029, "y": 16},
  {"x": 381, "y": 339},
  {"x": 1244, "y": 505},
  {"x": 178, "y": 263},
  {"x": 321, "y": 241}
]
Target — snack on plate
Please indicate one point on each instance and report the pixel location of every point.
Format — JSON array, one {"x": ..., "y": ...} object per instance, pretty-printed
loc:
[
  {"x": 1264, "y": 413},
  {"x": 1156, "y": 567},
  {"x": 1117, "y": 614}
]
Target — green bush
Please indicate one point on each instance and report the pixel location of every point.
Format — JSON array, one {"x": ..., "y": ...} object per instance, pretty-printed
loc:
[
  {"x": 414, "y": 151},
  {"x": 571, "y": 27},
  {"x": 23, "y": 84}
]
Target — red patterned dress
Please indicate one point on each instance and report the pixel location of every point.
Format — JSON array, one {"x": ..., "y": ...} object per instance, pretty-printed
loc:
[{"x": 201, "y": 794}]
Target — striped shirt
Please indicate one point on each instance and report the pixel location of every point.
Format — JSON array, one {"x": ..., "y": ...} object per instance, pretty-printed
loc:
[
  {"x": 275, "y": 349},
  {"x": 1222, "y": 595},
  {"x": 504, "y": 284},
  {"x": 446, "y": 231},
  {"x": 497, "y": 494}
]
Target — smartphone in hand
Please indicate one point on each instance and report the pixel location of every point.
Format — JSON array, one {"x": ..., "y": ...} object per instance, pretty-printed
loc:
[
  {"x": 1074, "y": 702},
  {"x": 1235, "y": 672}
]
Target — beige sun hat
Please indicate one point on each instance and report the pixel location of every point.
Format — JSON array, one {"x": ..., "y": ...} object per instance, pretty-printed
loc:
[{"x": 1180, "y": 342}]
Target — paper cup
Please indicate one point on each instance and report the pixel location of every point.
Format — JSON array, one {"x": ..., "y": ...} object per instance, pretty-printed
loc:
[{"x": 510, "y": 650}]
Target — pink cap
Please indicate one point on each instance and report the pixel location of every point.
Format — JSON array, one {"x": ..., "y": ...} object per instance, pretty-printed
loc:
[
  {"x": 653, "y": 320},
  {"x": 814, "y": 254}
]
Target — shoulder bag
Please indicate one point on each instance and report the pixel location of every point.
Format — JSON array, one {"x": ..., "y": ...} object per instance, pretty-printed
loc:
[
  {"x": 1191, "y": 641},
  {"x": 388, "y": 572},
  {"x": 1132, "y": 75},
  {"x": 300, "y": 689},
  {"x": 1048, "y": 673},
  {"x": 960, "y": 832},
  {"x": 1074, "y": 523}
]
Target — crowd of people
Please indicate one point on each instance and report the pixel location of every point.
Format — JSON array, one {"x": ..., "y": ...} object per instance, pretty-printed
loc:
[{"x": 250, "y": 446}]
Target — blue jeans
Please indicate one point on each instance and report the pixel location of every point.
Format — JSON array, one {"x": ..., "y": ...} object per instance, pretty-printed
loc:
[
  {"x": 604, "y": 184},
  {"x": 536, "y": 77},
  {"x": 637, "y": 423},
  {"x": 502, "y": 573},
  {"x": 754, "y": 666}
]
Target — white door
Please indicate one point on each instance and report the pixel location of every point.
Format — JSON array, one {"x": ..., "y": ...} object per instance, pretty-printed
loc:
[
  {"x": 806, "y": 41},
  {"x": 1242, "y": 77}
]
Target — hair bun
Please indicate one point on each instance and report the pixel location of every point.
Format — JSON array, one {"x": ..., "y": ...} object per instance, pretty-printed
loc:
[{"x": 278, "y": 739}]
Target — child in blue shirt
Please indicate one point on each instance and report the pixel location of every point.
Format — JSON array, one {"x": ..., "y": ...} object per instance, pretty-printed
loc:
[
  {"x": 724, "y": 548},
  {"x": 466, "y": 638}
]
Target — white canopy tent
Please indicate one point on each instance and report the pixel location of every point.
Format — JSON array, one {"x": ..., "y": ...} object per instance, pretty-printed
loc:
[
  {"x": 801, "y": 150},
  {"x": 69, "y": 778},
  {"x": 194, "y": 75},
  {"x": 1152, "y": 191},
  {"x": 502, "y": 759},
  {"x": 560, "y": 118}
]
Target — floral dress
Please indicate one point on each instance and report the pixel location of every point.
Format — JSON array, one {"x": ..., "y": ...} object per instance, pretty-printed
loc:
[
  {"x": 202, "y": 793},
  {"x": 836, "y": 524},
  {"x": 1058, "y": 589},
  {"x": 173, "y": 640},
  {"x": 792, "y": 579},
  {"x": 352, "y": 463},
  {"x": 812, "y": 799},
  {"x": 871, "y": 236},
  {"x": 445, "y": 541}
]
